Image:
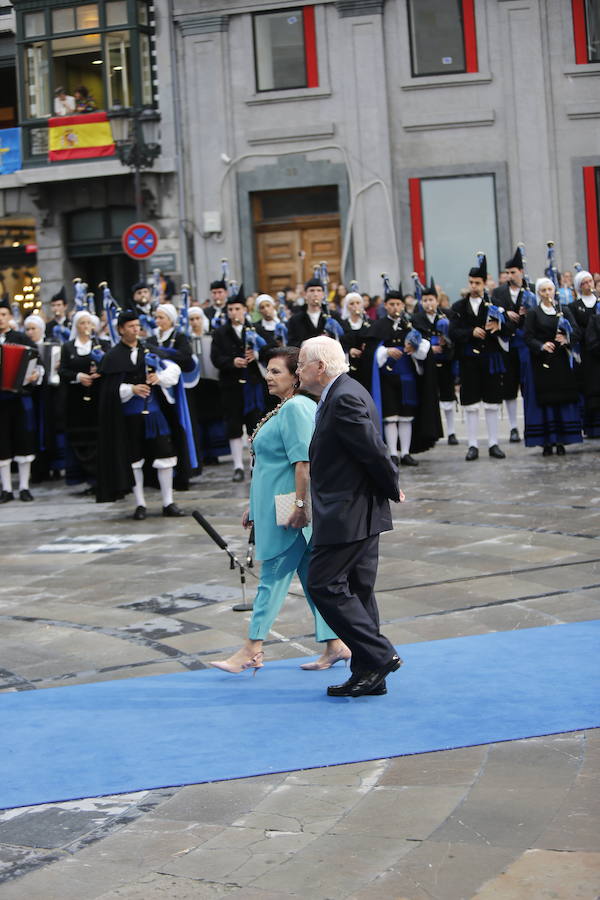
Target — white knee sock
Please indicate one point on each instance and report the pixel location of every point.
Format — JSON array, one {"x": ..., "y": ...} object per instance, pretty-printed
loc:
[
  {"x": 405, "y": 431},
  {"x": 390, "y": 430},
  {"x": 472, "y": 422},
  {"x": 165, "y": 480},
  {"x": 491, "y": 421},
  {"x": 449, "y": 414},
  {"x": 24, "y": 473},
  {"x": 5, "y": 475},
  {"x": 511, "y": 409},
  {"x": 138, "y": 488},
  {"x": 235, "y": 445}
]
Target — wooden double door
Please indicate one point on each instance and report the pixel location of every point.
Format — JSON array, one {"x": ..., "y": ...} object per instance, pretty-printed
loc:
[{"x": 286, "y": 253}]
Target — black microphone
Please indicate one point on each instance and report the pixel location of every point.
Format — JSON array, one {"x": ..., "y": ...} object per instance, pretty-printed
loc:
[{"x": 209, "y": 529}]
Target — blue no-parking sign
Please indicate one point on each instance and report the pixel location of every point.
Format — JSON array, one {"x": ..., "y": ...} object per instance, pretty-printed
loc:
[{"x": 139, "y": 240}]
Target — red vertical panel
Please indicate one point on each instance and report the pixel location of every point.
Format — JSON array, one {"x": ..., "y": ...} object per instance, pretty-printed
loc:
[
  {"x": 470, "y": 32},
  {"x": 579, "y": 32},
  {"x": 591, "y": 217},
  {"x": 416, "y": 219},
  {"x": 310, "y": 47}
]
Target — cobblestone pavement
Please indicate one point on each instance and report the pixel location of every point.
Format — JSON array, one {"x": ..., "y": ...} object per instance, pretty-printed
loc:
[{"x": 86, "y": 595}]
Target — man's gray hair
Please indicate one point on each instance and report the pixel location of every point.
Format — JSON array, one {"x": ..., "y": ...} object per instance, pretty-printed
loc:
[{"x": 328, "y": 351}]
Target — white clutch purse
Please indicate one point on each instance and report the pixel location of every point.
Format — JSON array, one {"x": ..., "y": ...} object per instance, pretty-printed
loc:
[{"x": 285, "y": 506}]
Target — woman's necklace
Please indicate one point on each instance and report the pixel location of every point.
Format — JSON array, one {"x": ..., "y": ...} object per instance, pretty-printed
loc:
[{"x": 265, "y": 419}]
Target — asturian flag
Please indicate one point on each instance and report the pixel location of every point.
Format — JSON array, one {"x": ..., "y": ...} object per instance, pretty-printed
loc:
[{"x": 80, "y": 137}]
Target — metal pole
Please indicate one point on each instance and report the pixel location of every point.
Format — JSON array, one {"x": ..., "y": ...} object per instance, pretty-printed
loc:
[{"x": 137, "y": 190}]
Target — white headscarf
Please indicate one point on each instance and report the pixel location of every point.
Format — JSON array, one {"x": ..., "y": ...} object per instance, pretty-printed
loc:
[
  {"x": 77, "y": 317},
  {"x": 542, "y": 282},
  {"x": 578, "y": 279},
  {"x": 34, "y": 319},
  {"x": 198, "y": 311},
  {"x": 262, "y": 297},
  {"x": 169, "y": 310}
]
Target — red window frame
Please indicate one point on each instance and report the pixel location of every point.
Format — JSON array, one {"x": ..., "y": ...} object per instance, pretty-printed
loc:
[
  {"x": 416, "y": 221},
  {"x": 580, "y": 32},
  {"x": 310, "y": 47},
  {"x": 470, "y": 36},
  {"x": 592, "y": 213}
]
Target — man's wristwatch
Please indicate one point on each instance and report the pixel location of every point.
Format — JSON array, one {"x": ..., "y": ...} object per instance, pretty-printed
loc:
[{"x": 299, "y": 503}]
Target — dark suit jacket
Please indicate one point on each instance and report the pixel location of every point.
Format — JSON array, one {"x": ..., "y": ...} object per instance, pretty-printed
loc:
[{"x": 352, "y": 475}]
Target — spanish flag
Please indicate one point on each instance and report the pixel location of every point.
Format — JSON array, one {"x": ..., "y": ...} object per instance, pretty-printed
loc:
[{"x": 80, "y": 137}]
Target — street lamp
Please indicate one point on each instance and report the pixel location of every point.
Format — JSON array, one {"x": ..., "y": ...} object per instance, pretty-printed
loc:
[{"x": 136, "y": 133}]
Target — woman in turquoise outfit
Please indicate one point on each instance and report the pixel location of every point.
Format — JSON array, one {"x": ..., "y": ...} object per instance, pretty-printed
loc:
[{"x": 280, "y": 447}]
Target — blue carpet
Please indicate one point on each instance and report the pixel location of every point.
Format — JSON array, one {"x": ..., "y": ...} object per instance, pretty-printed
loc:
[{"x": 139, "y": 733}]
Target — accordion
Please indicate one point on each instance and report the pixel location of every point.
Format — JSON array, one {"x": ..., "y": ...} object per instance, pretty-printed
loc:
[{"x": 17, "y": 362}]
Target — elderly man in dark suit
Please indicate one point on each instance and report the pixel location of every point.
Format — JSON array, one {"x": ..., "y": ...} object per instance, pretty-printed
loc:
[{"x": 352, "y": 480}]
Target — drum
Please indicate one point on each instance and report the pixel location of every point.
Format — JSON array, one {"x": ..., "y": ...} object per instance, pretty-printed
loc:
[{"x": 17, "y": 362}]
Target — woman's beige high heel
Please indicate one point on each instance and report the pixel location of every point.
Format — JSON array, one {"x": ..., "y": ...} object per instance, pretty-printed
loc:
[
  {"x": 328, "y": 663},
  {"x": 255, "y": 662}
]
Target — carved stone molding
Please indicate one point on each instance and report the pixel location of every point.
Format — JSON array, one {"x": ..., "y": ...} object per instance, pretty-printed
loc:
[{"x": 207, "y": 24}]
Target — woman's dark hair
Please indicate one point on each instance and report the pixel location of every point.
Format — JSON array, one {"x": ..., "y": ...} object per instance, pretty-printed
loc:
[
  {"x": 289, "y": 354},
  {"x": 83, "y": 91}
]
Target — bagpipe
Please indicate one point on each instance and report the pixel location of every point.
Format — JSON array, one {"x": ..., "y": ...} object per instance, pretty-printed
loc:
[
  {"x": 96, "y": 356},
  {"x": 332, "y": 327},
  {"x": 112, "y": 310},
  {"x": 190, "y": 379},
  {"x": 155, "y": 360},
  {"x": 563, "y": 326},
  {"x": 81, "y": 297},
  {"x": 220, "y": 318},
  {"x": 419, "y": 288},
  {"x": 17, "y": 363},
  {"x": 528, "y": 298},
  {"x": 155, "y": 295},
  {"x": 282, "y": 310}
]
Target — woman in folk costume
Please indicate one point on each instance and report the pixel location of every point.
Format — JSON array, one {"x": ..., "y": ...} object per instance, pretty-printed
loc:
[
  {"x": 204, "y": 396},
  {"x": 552, "y": 415},
  {"x": 356, "y": 325},
  {"x": 79, "y": 361},
  {"x": 585, "y": 308}
]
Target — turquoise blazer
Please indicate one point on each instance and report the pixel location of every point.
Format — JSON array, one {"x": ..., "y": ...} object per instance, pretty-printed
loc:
[{"x": 279, "y": 445}]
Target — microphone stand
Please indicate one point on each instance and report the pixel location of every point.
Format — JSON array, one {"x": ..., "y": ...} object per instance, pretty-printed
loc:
[{"x": 244, "y": 606}]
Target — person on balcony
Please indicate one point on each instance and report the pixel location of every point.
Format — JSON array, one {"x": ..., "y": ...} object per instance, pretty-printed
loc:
[
  {"x": 84, "y": 102},
  {"x": 64, "y": 104}
]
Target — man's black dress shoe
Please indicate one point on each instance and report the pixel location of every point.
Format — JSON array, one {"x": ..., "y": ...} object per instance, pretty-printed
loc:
[
  {"x": 25, "y": 496},
  {"x": 173, "y": 511},
  {"x": 547, "y": 451},
  {"x": 6, "y": 496},
  {"x": 139, "y": 514},
  {"x": 363, "y": 684},
  {"x": 515, "y": 437},
  {"x": 472, "y": 453},
  {"x": 496, "y": 453},
  {"x": 407, "y": 460},
  {"x": 238, "y": 475},
  {"x": 452, "y": 440}
]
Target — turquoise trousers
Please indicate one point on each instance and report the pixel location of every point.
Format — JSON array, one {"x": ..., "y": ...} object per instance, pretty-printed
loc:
[{"x": 275, "y": 578}]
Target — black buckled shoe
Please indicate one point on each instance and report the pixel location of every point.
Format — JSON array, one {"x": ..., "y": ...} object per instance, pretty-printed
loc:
[
  {"x": 139, "y": 514},
  {"x": 6, "y": 496},
  {"x": 472, "y": 453},
  {"x": 238, "y": 475},
  {"x": 407, "y": 460},
  {"x": 560, "y": 449},
  {"x": 515, "y": 437},
  {"x": 363, "y": 684},
  {"x": 452, "y": 440},
  {"x": 496, "y": 453},
  {"x": 172, "y": 511},
  {"x": 25, "y": 495}
]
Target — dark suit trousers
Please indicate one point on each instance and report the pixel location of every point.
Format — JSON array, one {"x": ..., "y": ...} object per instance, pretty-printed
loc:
[{"x": 341, "y": 580}]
